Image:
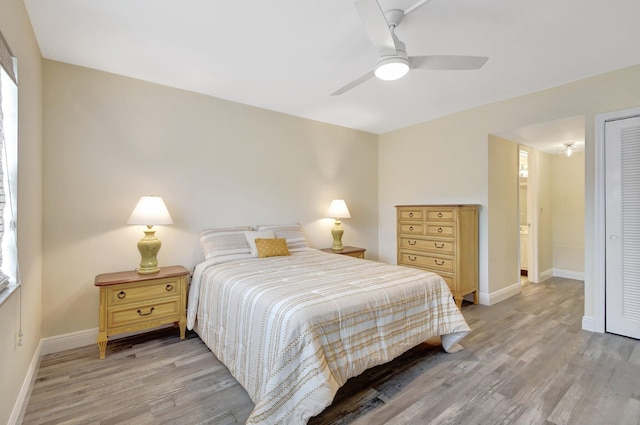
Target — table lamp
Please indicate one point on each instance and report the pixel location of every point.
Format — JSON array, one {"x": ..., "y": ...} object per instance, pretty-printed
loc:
[
  {"x": 337, "y": 210},
  {"x": 149, "y": 211}
]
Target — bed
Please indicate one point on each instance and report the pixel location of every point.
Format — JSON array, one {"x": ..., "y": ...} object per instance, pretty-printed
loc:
[{"x": 292, "y": 329}]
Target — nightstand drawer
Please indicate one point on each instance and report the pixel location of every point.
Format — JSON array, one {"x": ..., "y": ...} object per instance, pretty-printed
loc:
[
  {"x": 124, "y": 294},
  {"x": 140, "y": 313}
]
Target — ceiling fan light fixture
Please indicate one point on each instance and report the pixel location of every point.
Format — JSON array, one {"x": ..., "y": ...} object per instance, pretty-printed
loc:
[{"x": 392, "y": 68}]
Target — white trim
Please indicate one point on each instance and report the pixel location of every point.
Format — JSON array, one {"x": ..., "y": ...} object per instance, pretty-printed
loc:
[
  {"x": 55, "y": 344},
  {"x": 589, "y": 323},
  {"x": 20, "y": 406},
  {"x": 542, "y": 276},
  {"x": 499, "y": 295},
  {"x": 597, "y": 280},
  {"x": 568, "y": 274}
]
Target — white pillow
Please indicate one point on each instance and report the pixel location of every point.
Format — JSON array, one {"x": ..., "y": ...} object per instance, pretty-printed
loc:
[
  {"x": 293, "y": 233},
  {"x": 251, "y": 237},
  {"x": 225, "y": 244}
]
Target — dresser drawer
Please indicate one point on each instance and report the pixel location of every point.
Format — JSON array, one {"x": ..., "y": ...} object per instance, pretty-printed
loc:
[
  {"x": 410, "y": 214},
  {"x": 443, "y": 230},
  {"x": 432, "y": 245},
  {"x": 440, "y": 214},
  {"x": 433, "y": 263},
  {"x": 412, "y": 228},
  {"x": 124, "y": 294},
  {"x": 145, "y": 311}
]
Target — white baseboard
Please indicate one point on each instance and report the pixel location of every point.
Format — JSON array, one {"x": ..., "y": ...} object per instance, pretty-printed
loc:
[
  {"x": 500, "y": 295},
  {"x": 542, "y": 276},
  {"x": 55, "y": 344},
  {"x": 589, "y": 323},
  {"x": 568, "y": 274},
  {"x": 25, "y": 391}
]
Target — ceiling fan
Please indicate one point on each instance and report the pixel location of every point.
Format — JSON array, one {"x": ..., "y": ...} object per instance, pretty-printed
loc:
[{"x": 393, "y": 62}]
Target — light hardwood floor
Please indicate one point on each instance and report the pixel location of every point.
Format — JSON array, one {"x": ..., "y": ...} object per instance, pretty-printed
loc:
[{"x": 526, "y": 361}]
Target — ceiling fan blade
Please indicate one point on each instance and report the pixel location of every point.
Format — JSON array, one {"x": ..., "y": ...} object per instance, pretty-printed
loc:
[
  {"x": 353, "y": 84},
  {"x": 415, "y": 6},
  {"x": 376, "y": 26},
  {"x": 447, "y": 62}
]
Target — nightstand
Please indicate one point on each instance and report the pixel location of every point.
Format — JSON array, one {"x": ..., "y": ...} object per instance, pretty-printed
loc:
[
  {"x": 131, "y": 302},
  {"x": 351, "y": 251}
]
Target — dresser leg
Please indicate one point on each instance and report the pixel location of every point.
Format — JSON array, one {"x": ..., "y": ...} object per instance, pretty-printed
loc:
[
  {"x": 475, "y": 297},
  {"x": 183, "y": 328},
  {"x": 102, "y": 345}
]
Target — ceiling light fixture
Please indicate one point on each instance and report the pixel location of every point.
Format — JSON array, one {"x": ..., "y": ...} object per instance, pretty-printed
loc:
[
  {"x": 568, "y": 149},
  {"x": 391, "y": 68}
]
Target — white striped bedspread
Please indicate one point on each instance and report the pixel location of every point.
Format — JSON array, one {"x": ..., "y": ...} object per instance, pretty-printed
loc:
[{"x": 293, "y": 329}]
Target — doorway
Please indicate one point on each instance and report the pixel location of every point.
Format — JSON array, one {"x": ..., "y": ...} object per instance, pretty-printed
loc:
[
  {"x": 523, "y": 214},
  {"x": 550, "y": 204}
]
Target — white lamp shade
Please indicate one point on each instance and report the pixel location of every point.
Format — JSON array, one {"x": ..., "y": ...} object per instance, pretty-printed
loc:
[
  {"x": 149, "y": 211},
  {"x": 338, "y": 209}
]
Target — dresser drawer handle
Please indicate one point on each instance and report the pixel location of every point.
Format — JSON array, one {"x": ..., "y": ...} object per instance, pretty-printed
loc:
[
  {"x": 140, "y": 313},
  {"x": 439, "y": 229},
  {"x": 412, "y": 243},
  {"x": 410, "y": 227},
  {"x": 122, "y": 295},
  {"x": 169, "y": 287},
  {"x": 412, "y": 259},
  {"x": 410, "y": 214},
  {"x": 438, "y": 246},
  {"x": 440, "y": 215},
  {"x": 439, "y": 264}
]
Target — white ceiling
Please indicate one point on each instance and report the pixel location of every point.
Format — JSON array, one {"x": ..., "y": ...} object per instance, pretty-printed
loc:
[
  {"x": 289, "y": 55},
  {"x": 550, "y": 136}
]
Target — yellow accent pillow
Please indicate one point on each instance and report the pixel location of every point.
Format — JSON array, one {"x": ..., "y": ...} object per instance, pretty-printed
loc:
[{"x": 275, "y": 247}]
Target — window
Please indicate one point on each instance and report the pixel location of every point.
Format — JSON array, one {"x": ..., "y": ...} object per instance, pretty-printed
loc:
[{"x": 8, "y": 167}]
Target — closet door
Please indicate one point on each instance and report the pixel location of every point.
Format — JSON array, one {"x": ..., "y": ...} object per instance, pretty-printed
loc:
[{"x": 622, "y": 170}]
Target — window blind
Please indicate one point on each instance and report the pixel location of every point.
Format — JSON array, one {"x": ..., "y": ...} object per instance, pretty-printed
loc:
[{"x": 8, "y": 143}]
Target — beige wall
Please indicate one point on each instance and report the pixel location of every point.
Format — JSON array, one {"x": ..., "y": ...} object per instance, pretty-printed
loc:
[
  {"x": 503, "y": 213},
  {"x": 16, "y": 28},
  {"x": 111, "y": 139},
  {"x": 545, "y": 182},
  {"x": 445, "y": 160},
  {"x": 568, "y": 212}
]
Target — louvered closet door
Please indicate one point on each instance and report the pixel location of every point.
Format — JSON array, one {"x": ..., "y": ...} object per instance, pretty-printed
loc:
[{"x": 622, "y": 170}]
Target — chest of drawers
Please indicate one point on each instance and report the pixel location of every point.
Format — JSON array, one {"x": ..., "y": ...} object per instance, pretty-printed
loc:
[{"x": 442, "y": 239}]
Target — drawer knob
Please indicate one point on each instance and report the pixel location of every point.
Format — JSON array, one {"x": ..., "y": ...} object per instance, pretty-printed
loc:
[
  {"x": 122, "y": 295},
  {"x": 439, "y": 229},
  {"x": 410, "y": 214},
  {"x": 412, "y": 259},
  {"x": 169, "y": 287},
  {"x": 140, "y": 313},
  {"x": 440, "y": 215},
  {"x": 410, "y": 227},
  {"x": 412, "y": 242},
  {"x": 438, "y": 246},
  {"x": 439, "y": 264}
]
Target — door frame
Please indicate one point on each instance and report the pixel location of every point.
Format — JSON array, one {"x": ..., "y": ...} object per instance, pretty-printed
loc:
[
  {"x": 599, "y": 268},
  {"x": 532, "y": 216}
]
